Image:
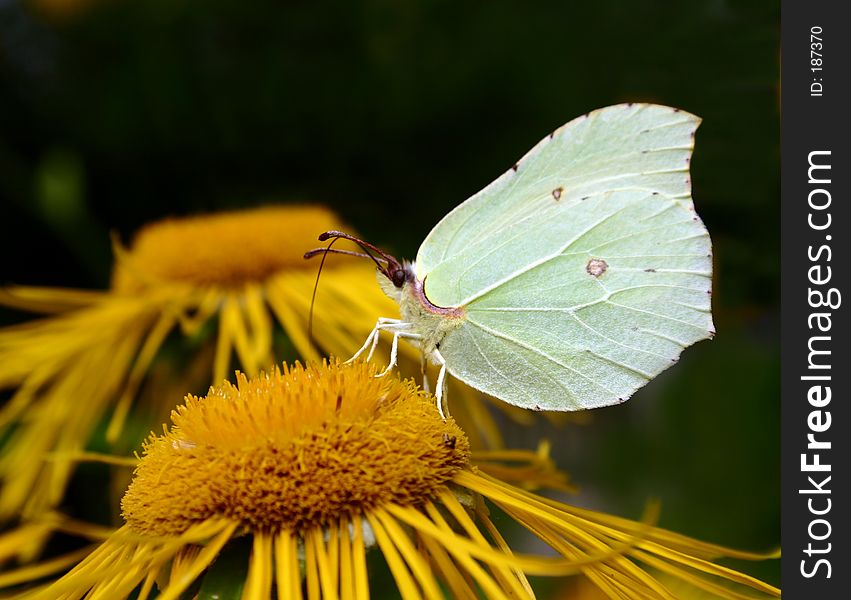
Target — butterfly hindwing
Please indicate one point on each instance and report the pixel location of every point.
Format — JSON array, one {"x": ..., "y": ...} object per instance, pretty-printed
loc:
[{"x": 593, "y": 321}]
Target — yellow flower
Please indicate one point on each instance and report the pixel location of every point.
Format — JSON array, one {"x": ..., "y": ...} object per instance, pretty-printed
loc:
[
  {"x": 221, "y": 283},
  {"x": 580, "y": 588},
  {"x": 316, "y": 466}
]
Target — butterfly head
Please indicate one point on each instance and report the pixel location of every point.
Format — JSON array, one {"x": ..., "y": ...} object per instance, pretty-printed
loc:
[
  {"x": 394, "y": 281},
  {"x": 397, "y": 273}
]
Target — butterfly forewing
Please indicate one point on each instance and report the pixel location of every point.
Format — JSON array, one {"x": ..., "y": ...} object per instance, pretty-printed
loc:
[{"x": 623, "y": 146}]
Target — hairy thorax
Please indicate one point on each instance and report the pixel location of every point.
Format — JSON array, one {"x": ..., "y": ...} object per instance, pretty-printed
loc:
[{"x": 431, "y": 322}]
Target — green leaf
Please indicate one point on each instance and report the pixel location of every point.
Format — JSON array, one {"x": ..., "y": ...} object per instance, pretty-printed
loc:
[{"x": 226, "y": 577}]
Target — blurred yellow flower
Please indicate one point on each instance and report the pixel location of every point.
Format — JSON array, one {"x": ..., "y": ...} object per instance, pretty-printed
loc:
[
  {"x": 220, "y": 283},
  {"x": 317, "y": 465}
]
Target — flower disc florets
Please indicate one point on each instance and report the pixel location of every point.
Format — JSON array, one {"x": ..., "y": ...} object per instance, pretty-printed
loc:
[{"x": 294, "y": 449}]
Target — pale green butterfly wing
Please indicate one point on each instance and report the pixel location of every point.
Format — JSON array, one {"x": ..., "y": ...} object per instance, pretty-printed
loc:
[
  {"x": 624, "y": 146},
  {"x": 624, "y": 288}
]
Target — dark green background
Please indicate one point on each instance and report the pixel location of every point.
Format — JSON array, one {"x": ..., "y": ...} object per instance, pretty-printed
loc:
[{"x": 393, "y": 112}]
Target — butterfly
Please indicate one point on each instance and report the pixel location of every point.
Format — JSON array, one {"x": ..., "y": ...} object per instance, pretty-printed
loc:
[{"x": 570, "y": 281}]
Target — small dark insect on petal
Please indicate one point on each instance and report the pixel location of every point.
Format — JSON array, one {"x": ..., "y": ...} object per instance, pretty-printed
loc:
[{"x": 449, "y": 440}]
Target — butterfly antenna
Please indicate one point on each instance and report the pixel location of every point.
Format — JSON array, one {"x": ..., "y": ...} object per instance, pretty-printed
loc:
[
  {"x": 392, "y": 263},
  {"x": 334, "y": 236},
  {"x": 324, "y": 252},
  {"x": 315, "y": 251}
]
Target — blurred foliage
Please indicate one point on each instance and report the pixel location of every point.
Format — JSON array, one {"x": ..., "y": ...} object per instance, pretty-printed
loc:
[{"x": 115, "y": 113}]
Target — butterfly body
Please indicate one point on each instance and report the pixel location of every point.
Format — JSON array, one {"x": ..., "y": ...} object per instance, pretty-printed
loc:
[{"x": 431, "y": 322}]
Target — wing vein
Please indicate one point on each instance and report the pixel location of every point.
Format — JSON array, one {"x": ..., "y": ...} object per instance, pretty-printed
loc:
[
  {"x": 650, "y": 312},
  {"x": 493, "y": 367},
  {"x": 553, "y": 360},
  {"x": 639, "y": 233},
  {"x": 533, "y": 264},
  {"x": 605, "y": 298},
  {"x": 614, "y": 341}
]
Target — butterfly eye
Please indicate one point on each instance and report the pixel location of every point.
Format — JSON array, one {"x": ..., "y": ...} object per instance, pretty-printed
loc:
[{"x": 399, "y": 277}]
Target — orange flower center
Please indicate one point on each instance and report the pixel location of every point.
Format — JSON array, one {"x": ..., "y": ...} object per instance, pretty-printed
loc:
[{"x": 294, "y": 449}]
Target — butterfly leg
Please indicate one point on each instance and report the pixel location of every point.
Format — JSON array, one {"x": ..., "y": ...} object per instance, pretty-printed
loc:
[
  {"x": 375, "y": 337},
  {"x": 394, "y": 347},
  {"x": 372, "y": 338},
  {"x": 369, "y": 341},
  {"x": 440, "y": 391},
  {"x": 384, "y": 324},
  {"x": 423, "y": 365}
]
